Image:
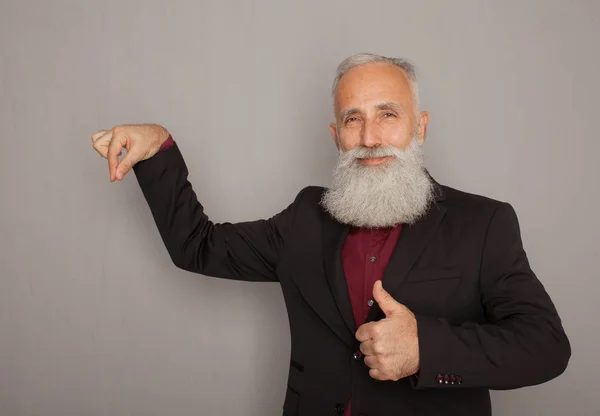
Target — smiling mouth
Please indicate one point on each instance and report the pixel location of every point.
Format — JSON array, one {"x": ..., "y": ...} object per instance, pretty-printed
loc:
[{"x": 374, "y": 160}]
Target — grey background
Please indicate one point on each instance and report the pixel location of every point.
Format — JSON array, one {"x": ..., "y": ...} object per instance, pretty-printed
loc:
[{"x": 94, "y": 318}]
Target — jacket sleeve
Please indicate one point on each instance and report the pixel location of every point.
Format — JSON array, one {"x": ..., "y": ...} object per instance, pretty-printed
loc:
[
  {"x": 242, "y": 251},
  {"x": 521, "y": 344}
]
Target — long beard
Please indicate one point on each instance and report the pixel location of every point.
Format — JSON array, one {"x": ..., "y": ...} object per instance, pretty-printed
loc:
[{"x": 398, "y": 191}]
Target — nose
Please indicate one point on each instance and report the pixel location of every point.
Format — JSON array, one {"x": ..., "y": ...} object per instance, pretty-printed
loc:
[{"x": 370, "y": 137}]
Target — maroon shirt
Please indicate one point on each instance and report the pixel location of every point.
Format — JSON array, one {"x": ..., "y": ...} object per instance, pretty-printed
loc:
[
  {"x": 168, "y": 143},
  {"x": 365, "y": 255}
]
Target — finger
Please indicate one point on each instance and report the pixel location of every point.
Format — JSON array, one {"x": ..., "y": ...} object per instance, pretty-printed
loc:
[
  {"x": 365, "y": 332},
  {"x": 385, "y": 301},
  {"x": 130, "y": 159},
  {"x": 371, "y": 361},
  {"x": 367, "y": 347},
  {"x": 101, "y": 148},
  {"x": 101, "y": 144},
  {"x": 114, "y": 149},
  {"x": 99, "y": 134},
  {"x": 377, "y": 374}
]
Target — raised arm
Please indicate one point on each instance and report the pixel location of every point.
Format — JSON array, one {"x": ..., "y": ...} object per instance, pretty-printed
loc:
[{"x": 242, "y": 251}]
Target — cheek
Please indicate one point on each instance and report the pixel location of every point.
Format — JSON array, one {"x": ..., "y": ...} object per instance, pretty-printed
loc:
[
  {"x": 349, "y": 138},
  {"x": 397, "y": 135}
]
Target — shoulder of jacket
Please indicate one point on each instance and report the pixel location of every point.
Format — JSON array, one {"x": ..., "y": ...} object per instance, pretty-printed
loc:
[
  {"x": 310, "y": 194},
  {"x": 473, "y": 204}
]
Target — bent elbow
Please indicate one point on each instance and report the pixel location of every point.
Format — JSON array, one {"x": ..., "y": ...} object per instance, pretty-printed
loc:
[
  {"x": 561, "y": 357},
  {"x": 555, "y": 358}
]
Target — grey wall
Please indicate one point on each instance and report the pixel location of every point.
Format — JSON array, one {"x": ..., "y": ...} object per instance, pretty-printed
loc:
[{"x": 95, "y": 320}]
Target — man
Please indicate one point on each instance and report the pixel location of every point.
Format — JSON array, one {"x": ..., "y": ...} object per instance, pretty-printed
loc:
[{"x": 459, "y": 311}]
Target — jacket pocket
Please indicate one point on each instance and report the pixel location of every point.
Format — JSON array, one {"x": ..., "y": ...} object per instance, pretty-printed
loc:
[
  {"x": 427, "y": 291},
  {"x": 292, "y": 399},
  {"x": 429, "y": 274},
  {"x": 294, "y": 388},
  {"x": 297, "y": 365}
]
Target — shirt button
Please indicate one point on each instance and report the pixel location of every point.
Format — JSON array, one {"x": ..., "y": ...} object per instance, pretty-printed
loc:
[
  {"x": 370, "y": 302},
  {"x": 372, "y": 259}
]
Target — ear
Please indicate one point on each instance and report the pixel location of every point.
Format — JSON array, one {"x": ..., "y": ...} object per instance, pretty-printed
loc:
[
  {"x": 334, "y": 135},
  {"x": 423, "y": 121}
]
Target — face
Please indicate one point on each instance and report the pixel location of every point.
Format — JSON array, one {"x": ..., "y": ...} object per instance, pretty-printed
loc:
[
  {"x": 374, "y": 107},
  {"x": 380, "y": 178}
]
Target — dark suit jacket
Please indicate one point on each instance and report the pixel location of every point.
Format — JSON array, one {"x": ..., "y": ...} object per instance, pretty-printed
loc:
[{"x": 483, "y": 317}]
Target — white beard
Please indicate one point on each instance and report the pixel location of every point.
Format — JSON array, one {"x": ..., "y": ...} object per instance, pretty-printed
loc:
[{"x": 398, "y": 191}]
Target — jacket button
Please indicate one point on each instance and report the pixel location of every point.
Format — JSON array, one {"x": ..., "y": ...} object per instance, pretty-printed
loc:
[
  {"x": 452, "y": 379},
  {"x": 446, "y": 379},
  {"x": 339, "y": 408},
  {"x": 357, "y": 355},
  {"x": 458, "y": 379},
  {"x": 439, "y": 378}
]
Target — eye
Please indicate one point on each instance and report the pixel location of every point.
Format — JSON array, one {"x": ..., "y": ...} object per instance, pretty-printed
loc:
[
  {"x": 389, "y": 115},
  {"x": 351, "y": 119}
]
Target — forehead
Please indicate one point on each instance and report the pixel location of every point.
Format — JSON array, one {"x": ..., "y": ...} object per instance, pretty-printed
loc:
[{"x": 370, "y": 84}]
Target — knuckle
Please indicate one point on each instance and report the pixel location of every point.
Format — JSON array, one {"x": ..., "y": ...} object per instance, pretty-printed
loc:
[
  {"x": 114, "y": 146},
  {"x": 376, "y": 331},
  {"x": 384, "y": 361}
]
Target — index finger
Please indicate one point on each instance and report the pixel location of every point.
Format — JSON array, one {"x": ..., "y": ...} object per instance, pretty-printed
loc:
[
  {"x": 114, "y": 150},
  {"x": 366, "y": 347},
  {"x": 365, "y": 332}
]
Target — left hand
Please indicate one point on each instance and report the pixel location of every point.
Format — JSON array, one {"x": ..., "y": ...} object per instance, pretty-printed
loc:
[{"x": 391, "y": 345}]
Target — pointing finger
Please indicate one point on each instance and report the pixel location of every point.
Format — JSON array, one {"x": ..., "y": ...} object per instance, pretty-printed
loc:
[
  {"x": 130, "y": 159},
  {"x": 114, "y": 150}
]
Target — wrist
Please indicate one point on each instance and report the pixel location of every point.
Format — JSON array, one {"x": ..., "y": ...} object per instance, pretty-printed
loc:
[{"x": 167, "y": 143}]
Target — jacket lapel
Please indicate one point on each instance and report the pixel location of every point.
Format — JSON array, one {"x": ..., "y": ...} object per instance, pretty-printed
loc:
[
  {"x": 333, "y": 237},
  {"x": 329, "y": 296},
  {"x": 411, "y": 243}
]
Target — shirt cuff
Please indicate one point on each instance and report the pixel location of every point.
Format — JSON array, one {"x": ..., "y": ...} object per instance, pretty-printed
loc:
[{"x": 167, "y": 144}]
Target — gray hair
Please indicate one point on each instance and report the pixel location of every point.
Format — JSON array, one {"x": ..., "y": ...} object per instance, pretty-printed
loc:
[{"x": 370, "y": 58}]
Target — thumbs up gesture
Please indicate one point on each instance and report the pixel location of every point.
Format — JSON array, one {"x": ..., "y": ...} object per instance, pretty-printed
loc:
[{"x": 391, "y": 345}]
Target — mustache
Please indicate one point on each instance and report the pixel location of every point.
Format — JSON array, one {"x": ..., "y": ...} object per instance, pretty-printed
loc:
[{"x": 362, "y": 152}]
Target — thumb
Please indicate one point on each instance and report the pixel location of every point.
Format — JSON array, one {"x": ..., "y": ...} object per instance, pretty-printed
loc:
[
  {"x": 125, "y": 165},
  {"x": 385, "y": 301}
]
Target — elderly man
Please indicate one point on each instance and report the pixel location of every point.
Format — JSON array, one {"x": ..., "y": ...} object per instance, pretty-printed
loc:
[{"x": 405, "y": 297}]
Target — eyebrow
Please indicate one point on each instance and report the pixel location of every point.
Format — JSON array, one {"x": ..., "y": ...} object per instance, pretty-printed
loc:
[
  {"x": 390, "y": 106},
  {"x": 349, "y": 112},
  {"x": 383, "y": 106}
]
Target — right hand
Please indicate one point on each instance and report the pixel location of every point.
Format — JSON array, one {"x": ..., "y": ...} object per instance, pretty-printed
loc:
[{"x": 142, "y": 141}]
